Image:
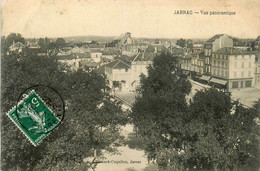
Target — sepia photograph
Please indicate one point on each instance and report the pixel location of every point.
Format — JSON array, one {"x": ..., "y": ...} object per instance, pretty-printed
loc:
[{"x": 130, "y": 85}]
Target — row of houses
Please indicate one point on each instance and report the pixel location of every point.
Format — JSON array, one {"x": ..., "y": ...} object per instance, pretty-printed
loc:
[{"x": 223, "y": 64}]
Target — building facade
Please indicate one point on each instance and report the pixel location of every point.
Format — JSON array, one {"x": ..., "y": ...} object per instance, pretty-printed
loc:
[
  {"x": 212, "y": 45},
  {"x": 234, "y": 66}
]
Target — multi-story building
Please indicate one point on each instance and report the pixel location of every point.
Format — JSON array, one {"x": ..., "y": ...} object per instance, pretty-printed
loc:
[
  {"x": 197, "y": 63},
  {"x": 139, "y": 66},
  {"x": 118, "y": 75},
  {"x": 212, "y": 45},
  {"x": 233, "y": 68},
  {"x": 257, "y": 70}
]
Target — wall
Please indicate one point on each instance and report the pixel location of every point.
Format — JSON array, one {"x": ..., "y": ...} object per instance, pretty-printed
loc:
[{"x": 223, "y": 41}]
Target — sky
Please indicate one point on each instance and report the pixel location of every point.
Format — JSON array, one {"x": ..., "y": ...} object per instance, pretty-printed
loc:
[{"x": 143, "y": 18}]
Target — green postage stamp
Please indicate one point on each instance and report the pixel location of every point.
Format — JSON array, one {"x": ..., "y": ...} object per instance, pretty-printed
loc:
[{"x": 33, "y": 117}]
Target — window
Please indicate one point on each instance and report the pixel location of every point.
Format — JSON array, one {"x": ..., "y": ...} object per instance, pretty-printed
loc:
[
  {"x": 223, "y": 64},
  {"x": 222, "y": 73},
  {"x": 242, "y": 64},
  {"x": 248, "y": 83},
  {"x": 242, "y": 74},
  {"x": 249, "y": 73},
  {"x": 226, "y": 73},
  {"x": 218, "y": 63},
  {"x": 214, "y": 72},
  {"x": 235, "y": 74},
  {"x": 235, "y": 84},
  {"x": 249, "y": 64},
  {"x": 217, "y": 72},
  {"x": 243, "y": 57},
  {"x": 214, "y": 62},
  {"x": 126, "y": 70}
]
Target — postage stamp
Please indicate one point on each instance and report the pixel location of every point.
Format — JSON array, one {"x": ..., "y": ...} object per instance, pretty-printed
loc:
[{"x": 34, "y": 118}]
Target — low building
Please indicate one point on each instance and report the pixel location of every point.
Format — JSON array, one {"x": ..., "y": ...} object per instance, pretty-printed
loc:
[
  {"x": 16, "y": 47},
  {"x": 233, "y": 68}
]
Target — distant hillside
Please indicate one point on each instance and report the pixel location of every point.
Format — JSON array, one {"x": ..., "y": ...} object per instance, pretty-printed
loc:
[{"x": 88, "y": 38}]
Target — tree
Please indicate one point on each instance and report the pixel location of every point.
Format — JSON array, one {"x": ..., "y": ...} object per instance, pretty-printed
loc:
[
  {"x": 13, "y": 38},
  {"x": 211, "y": 133},
  {"x": 91, "y": 121},
  {"x": 41, "y": 42},
  {"x": 181, "y": 42},
  {"x": 18, "y": 73},
  {"x": 60, "y": 42},
  {"x": 160, "y": 111},
  {"x": 221, "y": 135}
]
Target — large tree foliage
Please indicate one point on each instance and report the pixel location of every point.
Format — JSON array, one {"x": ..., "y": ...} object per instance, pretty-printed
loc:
[
  {"x": 60, "y": 42},
  {"x": 160, "y": 112},
  {"x": 212, "y": 132},
  {"x": 91, "y": 119},
  {"x": 222, "y": 133},
  {"x": 18, "y": 73}
]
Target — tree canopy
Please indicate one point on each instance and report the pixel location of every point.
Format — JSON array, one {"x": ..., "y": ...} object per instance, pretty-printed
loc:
[
  {"x": 159, "y": 114},
  {"x": 210, "y": 132},
  {"x": 91, "y": 119},
  {"x": 60, "y": 42}
]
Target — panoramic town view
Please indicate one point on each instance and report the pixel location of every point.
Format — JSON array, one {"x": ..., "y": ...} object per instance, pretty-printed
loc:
[{"x": 131, "y": 101}]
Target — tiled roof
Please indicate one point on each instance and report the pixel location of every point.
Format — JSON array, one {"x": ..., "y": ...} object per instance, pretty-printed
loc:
[
  {"x": 111, "y": 51},
  {"x": 160, "y": 47},
  {"x": 88, "y": 63},
  {"x": 177, "y": 51},
  {"x": 73, "y": 56},
  {"x": 147, "y": 56},
  {"x": 231, "y": 50},
  {"x": 118, "y": 64}
]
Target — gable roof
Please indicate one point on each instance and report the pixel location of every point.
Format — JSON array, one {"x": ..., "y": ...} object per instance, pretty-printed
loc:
[
  {"x": 118, "y": 64},
  {"x": 17, "y": 45},
  {"x": 212, "y": 39}
]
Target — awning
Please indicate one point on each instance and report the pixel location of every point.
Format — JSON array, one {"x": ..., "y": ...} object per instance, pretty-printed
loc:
[
  {"x": 219, "y": 81},
  {"x": 205, "y": 77}
]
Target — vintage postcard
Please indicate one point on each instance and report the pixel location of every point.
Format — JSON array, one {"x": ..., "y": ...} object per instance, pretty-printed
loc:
[{"x": 130, "y": 85}]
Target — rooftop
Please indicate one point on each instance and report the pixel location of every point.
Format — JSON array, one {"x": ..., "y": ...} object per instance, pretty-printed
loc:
[
  {"x": 231, "y": 50},
  {"x": 118, "y": 64},
  {"x": 147, "y": 56}
]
